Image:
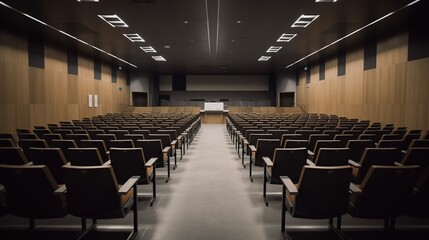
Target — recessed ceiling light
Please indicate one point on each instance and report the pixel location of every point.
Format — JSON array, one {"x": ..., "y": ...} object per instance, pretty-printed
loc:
[
  {"x": 286, "y": 37},
  {"x": 159, "y": 58},
  {"x": 134, "y": 37},
  {"x": 274, "y": 49},
  {"x": 113, "y": 20},
  {"x": 326, "y": 0},
  {"x": 88, "y": 0},
  {"x": 167, "y": 46},
  {"x": 185, "y": 22},
  {"x": 304, "y": 20},
  {"x": 148, "y": 49},
  {"x": 264, "y": 58},
  {"x": 238, "y": 22}
]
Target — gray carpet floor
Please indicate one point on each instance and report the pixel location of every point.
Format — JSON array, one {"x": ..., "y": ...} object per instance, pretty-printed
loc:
[{"x": 210, "y": 196}]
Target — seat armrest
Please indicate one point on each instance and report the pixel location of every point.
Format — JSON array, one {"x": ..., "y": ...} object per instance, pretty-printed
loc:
[
  {"x": 107, "y": 153},
  {"x": 354, "y": 164},
  {"x": 67, "y": 164},
  {"x": 398, "y": 164},
  {"x": 151, "y": 162},
  {"x": 252, "y": 148},
  {"x": 245, "y": 142},
  {"x": 128, "y": 185},
  {"x": 61, "y": 190},
  {"x": 173, "y": 143},
  {"x": 290, "y": 187},
  {"x": 165, "y": 152},
  {"x": 107, "y": 163},
  {"x": 354, "y": 189},
  {"x": 309, "y": 162},
  {"x": 403, "y": 151},
  {"x": 267, "y": 161},
  {"x": 310, "y": 153}
]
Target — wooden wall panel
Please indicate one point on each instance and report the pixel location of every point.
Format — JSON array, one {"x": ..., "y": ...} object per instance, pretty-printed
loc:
[
  {"x": 394, "y": 92},
  {"x": 32, "y": 96}
]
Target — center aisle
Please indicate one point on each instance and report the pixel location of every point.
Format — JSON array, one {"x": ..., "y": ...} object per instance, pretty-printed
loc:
[{"x": 209, "y": 196}]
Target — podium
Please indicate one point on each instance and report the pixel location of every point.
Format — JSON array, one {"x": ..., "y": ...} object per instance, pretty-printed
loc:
[{"x": 213, "y": 113}]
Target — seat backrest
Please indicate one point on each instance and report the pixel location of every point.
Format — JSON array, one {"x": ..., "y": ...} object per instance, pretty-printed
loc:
[
  {"x": 390, "y": 144},
  {"x": 12, "y": 156},
  {"x": 377, "y": 156},
  {"x": 77, "y": 137},
  {"x": 99, "y": 144},
  {"x": 84, "y": 157},
  {"x": 7, "y": 142},
  {"x": 408, "y": 138},
  {"x": 419, "y": 143},
  {"x": 93, "y": 132},
  {"x": 386, "y": 191},
  {"x": 295, "y": 144},
  {"x": 326, "y": 144},
  {"x": 128, "y": 162},
  {"x": 391, "y": 137},
  {"x": 119, "y": 134},
  {"x": 357, "y": 147},
  {"x": 173, "y": 134},
  {"x": 126, "y": 143},
  {"x": 22, "y": 136},
  {"x": 134, "y": 137},
  {"x": 265, "y": 148},
  {"x": 62, "y": 131},
  {"x": 152, "y": 148},
  {"x": 323, "y": 192},
  {"x": 417, "y": 156},
  {"x": 51, "y": 136},
  {"x": 92, "y": 192},
  {"x": 314, "y": 138},
  {"x": 53, "y": 158},
  {"x": 286, "y": 137},
  {"x": 288, "y": 162},
  {"x": 41, "y": 132},
  {"x": 344, "y": 138},
  {"x": 332, "y": 157},
  {"x": 30, "y": 192},
  {"x": 106, "y": 138},
  {"x": 165, "y": 139}
]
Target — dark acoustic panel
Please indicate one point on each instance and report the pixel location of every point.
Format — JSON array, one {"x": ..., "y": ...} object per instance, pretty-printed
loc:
[
  {"x": 179, "y": 82},
  {"x": 370, "y": 55},
  {"x": 97, "y": 69},
  {"x": 418, "y": 36},
  {"x": 114, "y": 74},
  {"x": 307, "y": 74},
  {"x": 341, "y": 63},
  {"x": 72, "y": 61},
  {"x": 297, "y": 77},
  {"x": 36, "y": 52},
  {"x": 322, "y": 69},
  {"x": 128, "y": 77}
]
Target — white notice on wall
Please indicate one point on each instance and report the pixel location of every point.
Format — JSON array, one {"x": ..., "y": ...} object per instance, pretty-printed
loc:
[
  {"x": 95, "y": 100},
  {"x": 90, "y": 100}
]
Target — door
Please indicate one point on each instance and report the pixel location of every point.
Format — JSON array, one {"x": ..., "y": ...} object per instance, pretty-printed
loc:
[
  {"x": 287, "y": 99},
  {"x": 139, "y": 99}
]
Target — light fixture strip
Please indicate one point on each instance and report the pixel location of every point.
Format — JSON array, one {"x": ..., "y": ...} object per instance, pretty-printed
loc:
[
  {"x": 274, "y": 49},
  {"x": 264, "y": 58},
  {"x": 286, "y": 37},
  {"x": 324, "y": 1},
  {"x": 304, "y": 20},
  {"x": 113, "y": 20},
  {"x": 148, "y": 49},
  {"x": 134, "y": 37},
  {"x": 159, "y": 58}
]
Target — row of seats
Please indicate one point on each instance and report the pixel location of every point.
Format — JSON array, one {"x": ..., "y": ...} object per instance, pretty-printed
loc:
[
  {"x": 66, "y": 179},
  {"x": 330, "y": 166}
]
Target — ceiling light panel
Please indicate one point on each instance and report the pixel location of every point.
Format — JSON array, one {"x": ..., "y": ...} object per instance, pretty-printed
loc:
[
  {"x": 159, "y": 58},
  {"x": 88, "y": 0},
  {"x": 148, "y": 49},
  {"x": 264, "y": 58},
  {"x": 274, "y": 49},
  {"x": 113, "y": 20},
  {"x": 134, "y": 37},
  {"x": 323, "y": 1},
  {"x": 286, "y": 37},
  {"x": 304, "y": 20}
]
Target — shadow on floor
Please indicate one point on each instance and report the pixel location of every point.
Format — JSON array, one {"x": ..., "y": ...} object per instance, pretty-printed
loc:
[
  {"x": 360, "y": 235},
  {"x": 61, "y": 235}
]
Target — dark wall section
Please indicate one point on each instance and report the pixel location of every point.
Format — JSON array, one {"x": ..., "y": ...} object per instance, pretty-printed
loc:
[
  {"x": 97, "y": 68},
  {"x": 179, "y": 82},
  {"x": 418, "y": 37},
  {"x": 322, "y": 69},
  {"x": 341, "y": 63},
  {"x": 370, "y": 55},
  {"x": 72, "y": 61},
  {"x": 36, "y": 52}
]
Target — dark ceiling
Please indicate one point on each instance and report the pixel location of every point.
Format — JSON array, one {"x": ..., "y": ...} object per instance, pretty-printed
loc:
[{"x": 219, "y": 36}]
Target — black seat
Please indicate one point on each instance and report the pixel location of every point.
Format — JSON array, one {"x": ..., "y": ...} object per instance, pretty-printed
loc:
[
  {"x": 30, "y": 192},
  {"x": 153, "y": 148},
  {"x": 53, "y": 158},
  {"x": 286, "y": 162},
  {"x": 128, "y": 162},
  {"x": 93, "y": 192},
  {"x": 12, "y": 156},
  {"x": 85, "y": 157}
]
